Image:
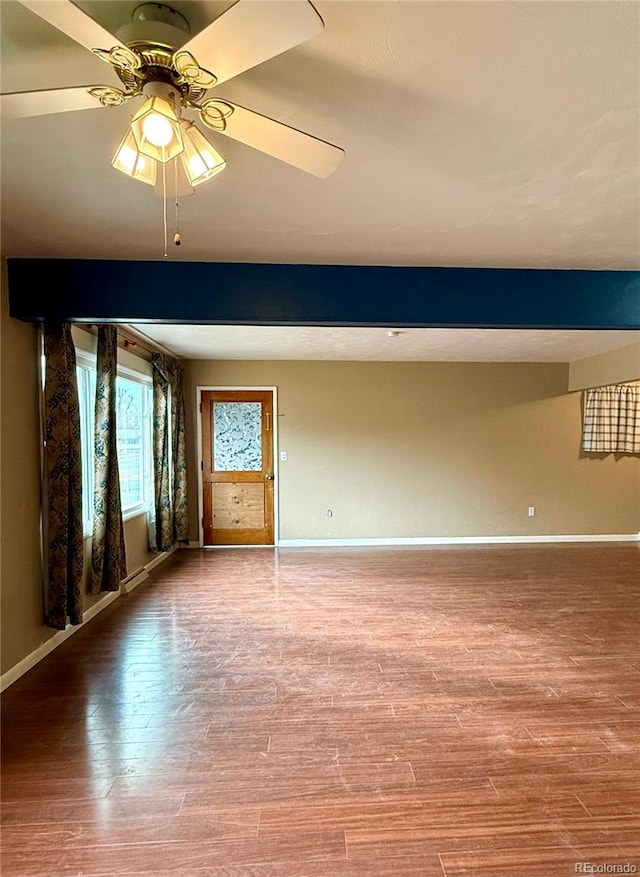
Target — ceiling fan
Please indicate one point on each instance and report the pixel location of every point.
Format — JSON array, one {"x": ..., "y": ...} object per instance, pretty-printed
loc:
[{"x": 156, "y": 59}]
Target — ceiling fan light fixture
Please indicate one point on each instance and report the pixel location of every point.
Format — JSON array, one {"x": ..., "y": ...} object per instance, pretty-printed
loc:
[
  {"x": 200, "y": 160},
  {"x": 156, "y": 127},
  {"x": 132, "y": 162}
]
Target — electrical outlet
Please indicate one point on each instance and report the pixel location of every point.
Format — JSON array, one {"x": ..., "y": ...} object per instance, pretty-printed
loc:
[
  {"x": 283, "y": 456},
  {"x": 532, "y": 511}
]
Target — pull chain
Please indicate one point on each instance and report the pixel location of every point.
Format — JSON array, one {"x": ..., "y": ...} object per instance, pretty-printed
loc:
[
  {"x": 176, "y": 238},
  {"x": 164, "y": 208}
]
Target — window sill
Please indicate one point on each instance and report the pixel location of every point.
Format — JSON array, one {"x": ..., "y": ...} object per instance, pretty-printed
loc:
[
  {"x": 135, "y": 512},
  {"x": 127, "y": 515}
]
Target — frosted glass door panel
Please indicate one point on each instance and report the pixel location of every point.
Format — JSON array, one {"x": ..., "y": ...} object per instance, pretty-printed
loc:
[{"x": 237, "y": 436}]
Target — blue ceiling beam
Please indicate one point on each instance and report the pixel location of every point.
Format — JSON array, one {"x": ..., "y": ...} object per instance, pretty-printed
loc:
[{"x": 80, "y": 290}]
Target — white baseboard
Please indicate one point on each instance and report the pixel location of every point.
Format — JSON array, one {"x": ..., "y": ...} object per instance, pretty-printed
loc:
[
  {"x": 135, "y": 579},
  {"x": 454, "y": 540},
  {"x": 224, "y": 547},
  {"x": 60, "y": 636},
  {"x": 159, "y": 558},
  {"x": 53, "y": 642},
  {"x": 236, "y": 547}
]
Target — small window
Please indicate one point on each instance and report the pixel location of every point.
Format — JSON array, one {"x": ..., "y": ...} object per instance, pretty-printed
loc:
[
  {"x": 611, "y": 420},
  {"x": 133, "y": 418},
  {"x": 87, "y": 399},
  {"x": 133, "y": 439}
]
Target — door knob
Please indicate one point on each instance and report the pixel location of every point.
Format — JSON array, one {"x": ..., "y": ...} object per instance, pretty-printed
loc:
[{"x": 269, "y": 477}]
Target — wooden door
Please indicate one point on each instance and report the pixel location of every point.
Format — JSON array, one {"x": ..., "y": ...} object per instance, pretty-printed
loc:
[{"x": 237, "y": 467}]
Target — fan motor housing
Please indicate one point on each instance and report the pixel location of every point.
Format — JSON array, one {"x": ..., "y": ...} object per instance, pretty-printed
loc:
[
  {"x": 154, "y": 33},
  {"x": 155, "y": 24}
]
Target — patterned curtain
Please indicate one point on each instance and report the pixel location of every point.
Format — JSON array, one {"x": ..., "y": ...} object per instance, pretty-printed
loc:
[
  {"x": 169, "y": 452},
  {"x": 108, "y": 558},
  {"x": 179, "y": 456},
  {"x": 161, "y": 444},
  {"x": 611, "y": 420},
  {"x": 63, "y": 474}
]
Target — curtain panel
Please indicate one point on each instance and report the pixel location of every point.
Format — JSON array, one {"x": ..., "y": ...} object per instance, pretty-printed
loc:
[
  {"x": 63, "y": 542},
  {"x": 108, "y": 557},
  {"x": 161, "y": 444},
  {"x": 611, "y": 420},
  {"x": 179, "y": 456},
  {"x": 169, "y": 453}
]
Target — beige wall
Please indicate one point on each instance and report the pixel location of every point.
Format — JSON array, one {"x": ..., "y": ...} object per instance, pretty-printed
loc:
[
  {"x": 614, "y": 367},
  {"x": 136, "y": 541},
  {"x": 21, "y": 576},
  {"x": 21, "y": 596},
  {"x": 430, "y": 449}
]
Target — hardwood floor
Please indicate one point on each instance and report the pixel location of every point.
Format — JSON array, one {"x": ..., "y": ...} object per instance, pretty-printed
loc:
[{"x": 338, "y": 713}]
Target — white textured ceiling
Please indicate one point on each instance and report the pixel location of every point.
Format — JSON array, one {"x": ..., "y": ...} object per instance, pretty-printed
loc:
[
  {"x": 342, "y": 343},
  {"x": 476, "y": 133}
]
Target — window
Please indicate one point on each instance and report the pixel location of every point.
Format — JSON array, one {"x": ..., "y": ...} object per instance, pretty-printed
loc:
[
  {"x": 611, "y": 420},
  {"x": 133, "y": 418},
  {"x": 86, "y": 376},
  {"x": 133, "y": 437}
]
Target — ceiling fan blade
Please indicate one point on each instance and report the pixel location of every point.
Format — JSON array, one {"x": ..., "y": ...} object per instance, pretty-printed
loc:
[
  {"x": 252, "y": 31},
  {"x": 75, "y": 23},
  {"x": 42, "y": 103},
  {"x": 301, "y": 150}
]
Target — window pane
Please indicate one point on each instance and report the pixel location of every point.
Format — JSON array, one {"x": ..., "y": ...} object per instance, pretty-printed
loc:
[
  {"x": 86, "y": 401},
  {"x": 130, "y": 418},
  {"x": 133, "y": 438},
  {"x": 237, "y": 436}
]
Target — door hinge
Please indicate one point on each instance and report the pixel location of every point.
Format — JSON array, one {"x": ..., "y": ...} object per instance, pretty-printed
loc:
[
  {"x": 200, "y": 406},
  {"x": 202, "y": 465}
]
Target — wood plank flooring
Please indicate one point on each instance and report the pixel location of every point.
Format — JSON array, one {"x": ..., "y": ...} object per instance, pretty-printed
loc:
[{"x": 338, "y": 713}]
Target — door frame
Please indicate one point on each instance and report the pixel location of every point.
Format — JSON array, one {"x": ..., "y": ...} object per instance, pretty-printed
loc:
[{"x": 276, "y": 461}]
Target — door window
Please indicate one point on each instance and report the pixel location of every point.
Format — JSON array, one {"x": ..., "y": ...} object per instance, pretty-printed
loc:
[{"x": 237, "y": 436}]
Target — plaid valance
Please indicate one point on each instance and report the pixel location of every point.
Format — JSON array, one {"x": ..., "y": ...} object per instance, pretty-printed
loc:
[{"x": 611, "y": 420}]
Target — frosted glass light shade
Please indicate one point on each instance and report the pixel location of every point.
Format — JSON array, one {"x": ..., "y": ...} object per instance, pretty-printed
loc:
[
  {"x": 199, "y": 159},
  {"x": 132, "y": 162},
  {"x": 157, "y": 130}
]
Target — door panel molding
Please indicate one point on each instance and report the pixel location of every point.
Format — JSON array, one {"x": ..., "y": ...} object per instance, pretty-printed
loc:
[{"x": 236, "y": 534}]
